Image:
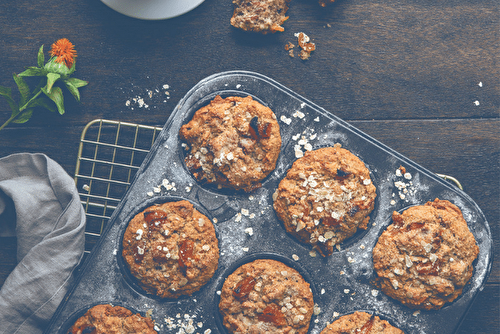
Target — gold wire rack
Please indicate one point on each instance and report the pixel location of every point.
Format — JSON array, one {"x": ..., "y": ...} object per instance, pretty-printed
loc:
[{"x": 109, "y": 155}]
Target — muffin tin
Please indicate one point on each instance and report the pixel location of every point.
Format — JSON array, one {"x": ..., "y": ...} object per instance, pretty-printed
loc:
[{"x": 247, "y": 227}]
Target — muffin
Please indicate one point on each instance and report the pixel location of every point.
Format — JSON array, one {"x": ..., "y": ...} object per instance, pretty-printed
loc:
[
  {"x": 425, "y": 257},
  {"x": 325, "y": 198},
  {"x": 107, "y": 319},
  {"x": 266, "y": 296},
  {"x": 360, "y": 322},
  {"x": 233, "y": 143},
  {"x": 171, "y": 249},
  {"x": 263, "y": 16}
]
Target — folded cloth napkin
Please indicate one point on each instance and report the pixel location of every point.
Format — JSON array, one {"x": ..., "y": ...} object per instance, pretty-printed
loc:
[{"x": 40, "y": 205}]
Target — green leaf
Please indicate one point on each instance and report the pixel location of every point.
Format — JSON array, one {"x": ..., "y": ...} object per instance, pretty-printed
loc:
[
  {"x": 32, "y": 71},
  {"x": 40, "y": 57},
  {"x": 24, "y": 89},
  {"x": 51, "y": 79},
  {"x": 77, "y": 82},
  {"x": 47, "y": 104},
  {"x": 56, "y": 95},
  {"x": 73, "y": 90},
  {"x": 24, "y": 116},
  {"x": 7, "y": 93},
  {"x": 42, "y": 102}
]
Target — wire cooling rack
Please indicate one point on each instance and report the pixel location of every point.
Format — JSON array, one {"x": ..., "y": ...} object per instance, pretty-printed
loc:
[{"x": 109, "y": 155}]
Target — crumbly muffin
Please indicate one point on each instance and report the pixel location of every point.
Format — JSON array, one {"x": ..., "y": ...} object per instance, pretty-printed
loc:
[
  {"x": 266, "y": 296},
  {"x": 171, "y": 249},
  {"x": 360, "y": 322},
  {"x": 233, "y": 143},
  {"x": 325, "y": 197},
  {"x": 107, "y": 319},
  {"x": 424, "y": 258},
  {"x": 263, "y": 16}
]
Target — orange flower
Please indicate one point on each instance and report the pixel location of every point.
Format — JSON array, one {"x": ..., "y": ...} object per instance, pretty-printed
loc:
[{"x": 65, "y": 52}]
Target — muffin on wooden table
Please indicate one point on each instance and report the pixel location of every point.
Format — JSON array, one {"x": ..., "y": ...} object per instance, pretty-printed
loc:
[{"x": 262, "y": 16}]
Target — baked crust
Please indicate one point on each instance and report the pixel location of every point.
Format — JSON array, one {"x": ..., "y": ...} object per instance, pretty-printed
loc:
[
  {"x": 171, "y": 249},
  {"x": 233, "y": 143},
  {"x": 107, "y": 319},
  {"x": 325, "y": 197},
  {"x": 263, "y": 16},
  {"x": 266, "y": 296},
  {"x": 425, "y": 257},
  {"x": 360, "y": 322}
]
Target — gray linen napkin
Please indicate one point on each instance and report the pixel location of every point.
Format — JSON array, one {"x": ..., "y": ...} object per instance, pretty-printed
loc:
[{"x": 40, "y": 205}]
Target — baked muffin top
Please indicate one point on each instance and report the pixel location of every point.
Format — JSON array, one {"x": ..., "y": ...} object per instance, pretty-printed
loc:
[
  {"x": 171, "y": 249},
  {"x": 325, "y": 197},
  {"x": 360, "y": 322},
  {"x": 107, "y": 319},
  {"x": 232, "y": 143},
  {"x": 425, "y": 257},
  {"x": 266, "y": 296}
]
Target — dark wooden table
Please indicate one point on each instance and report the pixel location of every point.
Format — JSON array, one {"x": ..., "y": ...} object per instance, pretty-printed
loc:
[{"x": 420, "y": 76}]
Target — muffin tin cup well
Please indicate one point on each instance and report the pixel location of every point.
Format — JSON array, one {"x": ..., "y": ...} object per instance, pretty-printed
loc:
[
  {"x": 79, "y": 313},
  {"x": 246, "y": 223},
  {"x": 390, "y": 320},
  {"x": 468, "y": 286},
  {"x": 184, "y": 152},
  {"x": 130, "y": 279},
  {"x": 250, "y": 258},
  {"x": 360, "y": 233}
]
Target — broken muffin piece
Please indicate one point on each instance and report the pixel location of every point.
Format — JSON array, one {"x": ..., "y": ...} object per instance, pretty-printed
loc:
[
  {"x": 306, "y": 45},
  {"x": 263, "y": 16}
]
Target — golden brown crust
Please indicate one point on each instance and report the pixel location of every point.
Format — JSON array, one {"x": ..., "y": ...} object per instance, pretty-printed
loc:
[
  {"x": 360, "y": 322},
  {"x": 325, "y": 197},
  {"x": 424, "y": 258},
  {"x": 171, "y": 249},
  {"x": 107, "y": 319},
  {"x": 266, "y": 296},
  {"x": 233, "y": 143},
  {"x": 263, "y": 16}
]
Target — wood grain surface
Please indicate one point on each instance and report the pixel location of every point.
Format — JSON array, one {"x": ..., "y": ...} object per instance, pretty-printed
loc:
[{"x": 420, "y": 76}]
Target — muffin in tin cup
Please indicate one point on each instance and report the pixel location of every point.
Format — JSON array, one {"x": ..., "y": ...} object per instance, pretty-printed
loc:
[
  {"x": 361, "y": 322},
  {"x": 424, "y": 259},
  {"x": 325, "y": 197},
  {"x": 265, "y": 293},
  {"x": 231, "y": 143},
  {"x": 106, "y": 318},
  {"x": 171, "y": 249}
]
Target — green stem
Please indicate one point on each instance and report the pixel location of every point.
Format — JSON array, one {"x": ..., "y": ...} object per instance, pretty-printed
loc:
[
  {"x": 8, "y": 121},
  {"x": 27, "y": 103},
  {"x": 19, "y": 112}
]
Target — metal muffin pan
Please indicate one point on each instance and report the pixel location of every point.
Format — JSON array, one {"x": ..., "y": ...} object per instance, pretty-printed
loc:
[{"x": 341, "y": 283}]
